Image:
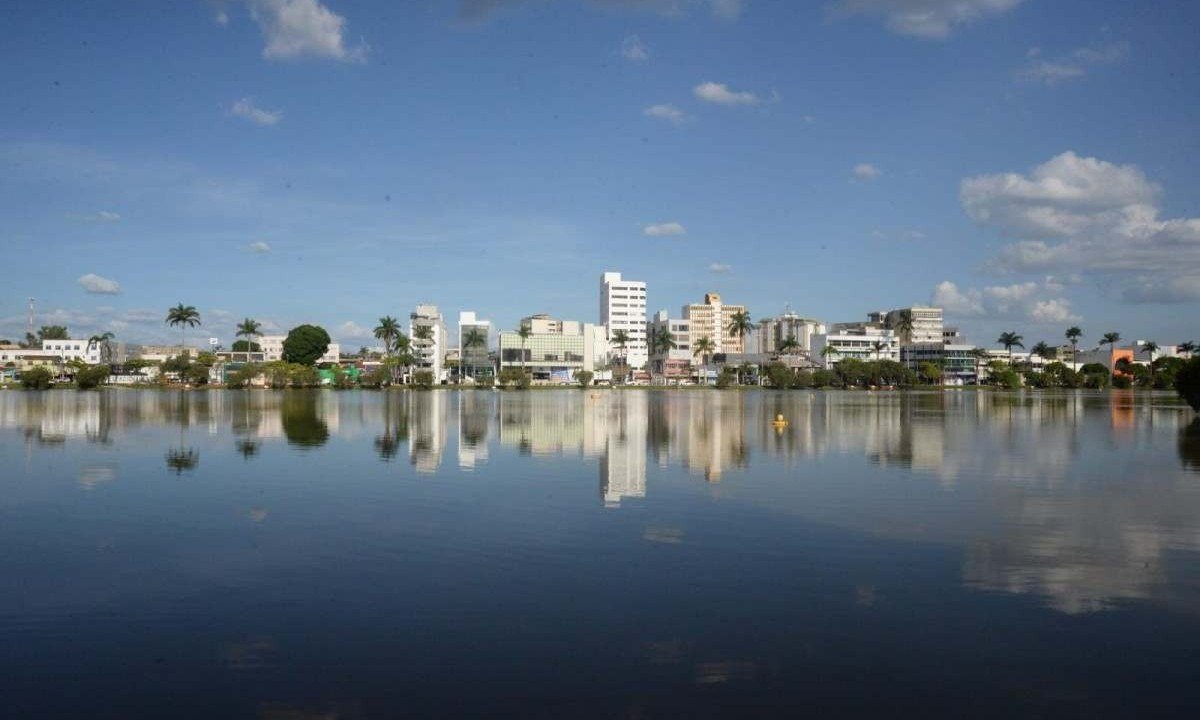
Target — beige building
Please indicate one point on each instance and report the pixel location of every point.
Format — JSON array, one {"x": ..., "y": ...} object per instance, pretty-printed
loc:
[{"x": 711, "y": 319}]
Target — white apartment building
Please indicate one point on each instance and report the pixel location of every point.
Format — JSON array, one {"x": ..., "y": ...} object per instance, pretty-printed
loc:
[
  {"x": 772, "y": 332},
  {"x": 474, "y": 359},
  {"x": 428, "y": 354},
  {"x": 623, "y": 307},
  {"x": 926, "y": 323},
  {"x": 670, "y": 362},
  {"x": 272, "y": 349},
  {"x": 858, "y": 343},
  {"x": 71, "y": 350},
  {"x": 710, "y": 319}
]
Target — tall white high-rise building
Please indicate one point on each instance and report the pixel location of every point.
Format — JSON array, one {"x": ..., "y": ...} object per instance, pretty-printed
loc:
[
  {"x": 623, "y": 307},
  {"x": 428, "y": 352}
]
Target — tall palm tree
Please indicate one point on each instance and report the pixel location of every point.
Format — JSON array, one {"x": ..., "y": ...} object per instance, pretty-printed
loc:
[
  {"x": 185, "y": 316},
  {"x": 878, "y": 346},
  {"x": 621, "y": 339},
  {"x": 740, "y": 325},
  {"x": 1010, "y": 340},
  {"x": 1073, "y": 334},
  {"x": 1042, "y": 350},
  {"x": 703, "y": 347},
  {"x": 829, "y": 351},
  {"x": 662, "y": 341},
  {"x": 1111, "y": 339},
  {"x": 1186, "y": 348},
  {"x": 979, "y": 354},
  {"x": 387, "y": 330},
  {"x": 1150, "y": 348},
  {"x": 102, "y": 340},
  {"x": 904, "y": 326},
  {"x": 473, "y": 339},
  {"x": 523, "y": 332},
  {"x": 249, "y": 328}
]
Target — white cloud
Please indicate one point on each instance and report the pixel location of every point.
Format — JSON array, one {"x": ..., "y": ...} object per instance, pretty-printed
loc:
[
  {"x": 353, "y": 331},
  {"x": 1028, "y": 301},
  {"x": 97, "y": 285},
  {"x": 664, "y": 229},
  {"x": 728, "y": 9},
  {"x": 866, "y": 171},
  {"x": 914, "y": 235},
  {"x": 1073, "y": 65},
  {"x": 221, "y": 17},
  {"x": 259, "y": 247},
  {"x": 632, "y": 48},
  {"x": 107, "y": 216},
  {"x": 720, "y": 93},
  {"x": 1083, "y": 215},
  {"x": 925, "y": 19},
  {"x": 296, "y": 28},
  {"x": 667, "y": 112},
  {"x": 720, "y": 268},
  {"x": 245, "y": 108}
]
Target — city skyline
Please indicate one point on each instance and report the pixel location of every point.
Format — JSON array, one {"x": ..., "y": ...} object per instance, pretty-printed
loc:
[{"x": 1022, "y": 165}]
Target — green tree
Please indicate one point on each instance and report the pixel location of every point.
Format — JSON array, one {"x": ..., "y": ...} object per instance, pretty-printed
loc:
[
  {"x": 388, "y": 330},
  {"x": 183, "y": 317},
  {"x": 38, "y": 378},
  {"x": 878, "y": 346},
  {"x": 423, "y": 379},
  {"x": 930, "y": 373},
  {"x": 740, "y": 325},
  {"x": 780, "y": 375},
  {"x": 1010, "y": 340},
  {"x": 704, "y": 347},
  {"x": 829, "y": 351},
  {"x": 584, "y": 377},
  {"x": 53, "y": 332},
  {"x": 104, "y": 342},
  {"x": 1111, "y": 339},
  {"x": 1150, "y": 348},
  {"x": 790, "y": 346},
  {"x": 248, "y": 328},
  {"x": 305, "y": 344},
  {"x": 523, "y": 332},
  {"x": 1187, "y": 383},
  {"x": 1043, "y": 350},
  {"x": 1073, "y": 334}
]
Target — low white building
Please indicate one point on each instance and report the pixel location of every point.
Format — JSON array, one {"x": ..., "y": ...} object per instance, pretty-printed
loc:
[
  {"x": 864, "y": 342},
  {"x": 272, "y": 349},
  {"x": 669, "y": 362},
  {"x": 555, "y": 349},
  {"x": 67, "y": 350}
]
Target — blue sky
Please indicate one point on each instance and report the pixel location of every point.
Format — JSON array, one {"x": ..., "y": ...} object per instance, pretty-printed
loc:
[{"x": 1029, "y": 164}]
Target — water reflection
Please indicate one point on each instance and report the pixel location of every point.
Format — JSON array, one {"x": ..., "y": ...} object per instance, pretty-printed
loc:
[{"x": 1077, "y": 499}]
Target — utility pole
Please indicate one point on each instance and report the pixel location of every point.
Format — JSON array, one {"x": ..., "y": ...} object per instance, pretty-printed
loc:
[{"x": 31, "y": 304}]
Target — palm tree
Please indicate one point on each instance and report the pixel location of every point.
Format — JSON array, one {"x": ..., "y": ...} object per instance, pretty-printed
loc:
[
  {"x": 249, "y": 329},
  {"x": 523, "y": 332},
  {"x": 1043, "y": 350},
  {"x": 1150, "y": 348},
  {"x": 387, "y": 331},
  {"x": 740, "y": 325},
  {"x": 102, "y": 340},
  {"x": 1186, "y": 348},
  {"x": 1110, "y": 339},
  {"x": 829, "y": 351},
  {"x": 904, "y": 326},
  {"x": 1073, "y": 334},
  {"x": 789, "y": 346},
  {"x": 473, "y": 339},
  {"x": 621, "y": 339},
  {"x": 979, "y": 354},
  {"x": 1010, "y": 340},
  {"x": 184, "y": 316},
  {"x": 703, "y": 347},
  {"x": 878, "y": 346}
]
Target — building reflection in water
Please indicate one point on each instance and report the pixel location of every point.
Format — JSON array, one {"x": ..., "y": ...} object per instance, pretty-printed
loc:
[{"x": 1066, "y": 497}]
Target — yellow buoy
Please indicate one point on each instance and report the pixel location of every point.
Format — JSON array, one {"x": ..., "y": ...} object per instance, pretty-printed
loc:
[{"x": 779, "y": 421}]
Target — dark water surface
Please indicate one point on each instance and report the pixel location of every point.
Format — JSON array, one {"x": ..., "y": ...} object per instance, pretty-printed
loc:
[{"x": 619, "y": 554}]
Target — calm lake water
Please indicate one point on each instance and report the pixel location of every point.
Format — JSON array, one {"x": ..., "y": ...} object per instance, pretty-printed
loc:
[{"x": 619, "y": 554}]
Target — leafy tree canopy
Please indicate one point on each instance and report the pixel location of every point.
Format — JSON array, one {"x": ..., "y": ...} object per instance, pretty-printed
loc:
[{"x": 305, "y": 344}]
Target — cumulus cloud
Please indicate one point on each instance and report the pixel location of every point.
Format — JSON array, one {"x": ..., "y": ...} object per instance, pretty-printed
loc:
[
  {"x": 1051, "y": 71},
  {"x": 298, "y": 28},
  {"x": 664, "y": 229},
  {"x": 667, "y": 112},
  {"x": 720, "y": 268},
  {"x": 632, "y": 48},
  {"x": 720, "y": 94},
  {"x": 1085, "y": 215},
  {"x": 476, "y": 11},
  {"x": 924, "y": 19},
  {"x": 259, "y": 247},
  {"x": 866, "y": 171},
  {"x": 351, "y": 330},
  {"x": 97, "y": 285},
  {"x": 246, "y": 109},
  {"x": 1037, "y": 302}
]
